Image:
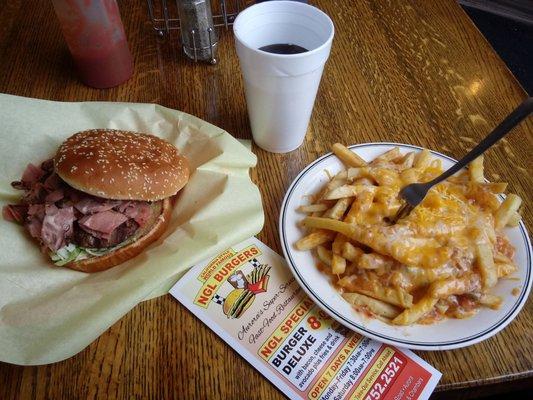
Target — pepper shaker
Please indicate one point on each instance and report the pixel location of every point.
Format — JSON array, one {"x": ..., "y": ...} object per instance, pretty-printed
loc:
[{"x": 197, "y": 30}]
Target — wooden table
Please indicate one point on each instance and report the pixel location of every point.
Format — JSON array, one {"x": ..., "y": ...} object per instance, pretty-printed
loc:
[{"x": 401, "y": 70}]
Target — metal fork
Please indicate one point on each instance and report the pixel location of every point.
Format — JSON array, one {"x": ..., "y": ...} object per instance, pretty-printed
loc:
[{"x": 413, "y": 194}]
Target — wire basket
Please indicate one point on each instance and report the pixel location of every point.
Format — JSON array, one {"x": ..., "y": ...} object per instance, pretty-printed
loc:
[
  {"x": 163, "y": 14},
  {"x": 164, "y": 17}
]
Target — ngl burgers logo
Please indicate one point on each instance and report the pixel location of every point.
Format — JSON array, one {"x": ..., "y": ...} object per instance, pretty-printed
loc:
[
  {"x": 228, "y": 271},
  {"x": 246, "y": 287}
]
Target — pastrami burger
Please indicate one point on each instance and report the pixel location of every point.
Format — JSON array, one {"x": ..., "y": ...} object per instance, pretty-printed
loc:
[{"x": 103, "y": 198}]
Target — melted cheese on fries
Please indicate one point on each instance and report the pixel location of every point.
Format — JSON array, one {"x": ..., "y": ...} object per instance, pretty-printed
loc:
[{"x": 442, "y": 260}]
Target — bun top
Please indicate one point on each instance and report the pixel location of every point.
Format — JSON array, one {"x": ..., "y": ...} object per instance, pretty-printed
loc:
[{"x": 121, "y": 165}]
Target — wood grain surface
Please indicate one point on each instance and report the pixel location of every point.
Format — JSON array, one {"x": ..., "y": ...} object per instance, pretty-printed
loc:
[{"x": 401, "y": 70}]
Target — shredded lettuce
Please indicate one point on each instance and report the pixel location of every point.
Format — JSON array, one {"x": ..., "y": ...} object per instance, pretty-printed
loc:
[
  {"x": 72, "y": 252},
  {"x": 67, "y": 254},
  {"x": 100, "y": 252}
]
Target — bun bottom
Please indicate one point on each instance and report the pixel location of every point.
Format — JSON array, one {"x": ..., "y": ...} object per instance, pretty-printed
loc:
[{"x": 101, "y": 263}]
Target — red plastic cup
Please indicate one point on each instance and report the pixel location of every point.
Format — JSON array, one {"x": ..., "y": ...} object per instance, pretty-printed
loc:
[{"x": 95, "y": 36}]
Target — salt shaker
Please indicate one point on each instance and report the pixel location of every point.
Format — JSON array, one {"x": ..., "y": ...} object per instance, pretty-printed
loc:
[
  {"x": 197, "y": 31},
  {"x": 95, "y": 36}
]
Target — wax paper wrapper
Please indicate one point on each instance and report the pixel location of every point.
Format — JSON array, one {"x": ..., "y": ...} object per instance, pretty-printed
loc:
[{"x": 49, "y": 313}]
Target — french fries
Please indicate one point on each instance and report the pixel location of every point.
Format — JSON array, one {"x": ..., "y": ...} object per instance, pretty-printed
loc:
[
  {"x": 514, "y": 219},
  {"x": 397, "y": 297},
  {"x": 324, "y": 255},
  {"x": 422, "y": 159},
  {"x": 504, "y": 269},
  {"x": 338, "y": 264},
  {"x": 347, "y": 191},
  {"x": 383, "y": 268},
  {"x": 356, "y": 173},
  {"x": 338, "y": 180},
  {"x": 417, "y": 311},
  {"x": 410, "y": 175},
  {"x": 333, "y": 225},
  {"x": 314, "y": 239},
  {"x": 311, "y": 208},
  {"x": 407, "y": 161},
  {"x": 494, "y": 187},
  {"x": 507, "y": 209},
  {"x": 370, "y": 261},
  {"x": 350, "y": 252},
  {"x": 338, "y": 210},
  {"x": 476, "y": 170},
  {"x": 485, "y": 263},
  {"x": 348, "y": 157},
  {"x": 387, "y": 156},
  {"x": 338, "y": 243},
  {"x": 444, "y": 288},
  {"x": 378, "y": 307},
  {"x": 490, "y": 301},
  {"x": 361, "y": 205}
]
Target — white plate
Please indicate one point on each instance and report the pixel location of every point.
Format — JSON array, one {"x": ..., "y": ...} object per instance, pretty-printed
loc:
[{"x": 447, "y": 334}]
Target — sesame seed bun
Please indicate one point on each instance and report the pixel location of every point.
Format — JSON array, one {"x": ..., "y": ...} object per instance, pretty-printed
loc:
[
  {"x": 123, "y": 254},
  {"x": 121, "y": 165},
  {"x": 237, "y": 302}
]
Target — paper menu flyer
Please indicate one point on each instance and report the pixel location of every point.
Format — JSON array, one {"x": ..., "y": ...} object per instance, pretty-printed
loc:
[{"x": 248, "y": 296}]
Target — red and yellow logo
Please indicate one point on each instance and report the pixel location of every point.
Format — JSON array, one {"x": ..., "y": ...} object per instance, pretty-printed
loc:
[
  {"x": 228, "y": 267},
  {"x": 246, "y": 288}
]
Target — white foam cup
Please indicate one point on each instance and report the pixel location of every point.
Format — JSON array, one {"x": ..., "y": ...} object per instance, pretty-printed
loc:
[{"x": 281, "y": 88}]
